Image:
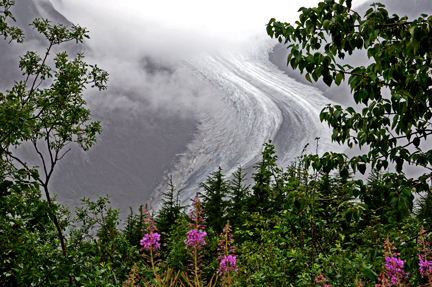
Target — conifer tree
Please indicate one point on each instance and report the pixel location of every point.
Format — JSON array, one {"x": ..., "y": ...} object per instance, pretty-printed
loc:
[
  {"x": 423, "y": 212},
  {"x": 266, "y": 187},
  {"x": 239, "y": 193},
  {"x": 377, "y": 195},
  {"x": 214, "y": 200},
  {"x": 170, "y": 211},
  {"x": 133, "y": 226}
]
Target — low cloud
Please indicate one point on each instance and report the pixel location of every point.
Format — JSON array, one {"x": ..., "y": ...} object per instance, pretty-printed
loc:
[{"x": 143, "y": 45}]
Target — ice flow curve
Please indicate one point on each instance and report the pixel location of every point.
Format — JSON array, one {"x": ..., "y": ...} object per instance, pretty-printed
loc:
[{"x": 260, "y": 104}]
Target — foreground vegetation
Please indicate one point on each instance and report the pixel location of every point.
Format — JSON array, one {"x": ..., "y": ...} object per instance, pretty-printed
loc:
[
  {"x": 288, "y": 227},
  {"x": 311, "y": 224}
]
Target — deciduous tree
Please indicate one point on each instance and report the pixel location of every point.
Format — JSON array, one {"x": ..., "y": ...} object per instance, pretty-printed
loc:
[
  {"x": 46, "y": 107},
  {"x": 390, "y": 128}
]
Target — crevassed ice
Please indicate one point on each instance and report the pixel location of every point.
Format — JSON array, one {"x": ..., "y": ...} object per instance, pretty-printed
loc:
[{"x": 261, "y": 103}]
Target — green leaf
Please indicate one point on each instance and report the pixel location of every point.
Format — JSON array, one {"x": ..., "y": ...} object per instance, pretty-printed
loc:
[
  {"x": 407, "y": 191},
  {"x": 369, "y": 273},
  {"x": 361, "y": 168},
  {"x": 339, "y": 78},
  {"x": 328, "y": 80}
]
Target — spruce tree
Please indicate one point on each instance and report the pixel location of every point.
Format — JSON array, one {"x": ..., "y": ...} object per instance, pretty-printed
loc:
[
  {"x": 214, "y": 200},
  {"x": 170, "y": 211},
  {"x": 377, "y": 195},
  {"x": 266, "y": 187},
  {"x": 239, "y": 193},
  {"x": 132, "y": 229},
  {"x": 423, "y": 212}
]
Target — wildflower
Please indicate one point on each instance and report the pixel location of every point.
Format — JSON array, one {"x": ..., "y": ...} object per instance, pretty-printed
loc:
[
  {"x": 393, "y": 272},
  {"x": 148, "y": 222},
  {"x": 131, "y": 277},
  {"x": 150, "y": 241},
  {"x": 322, "y": 279},
  {"x": 425, "y": 265},
  {"x": 227, "y": 264},
  {"x": 196, "y": 214},
  {"x": 394, "y": 267},
  {"x": 195, "y": 238}
]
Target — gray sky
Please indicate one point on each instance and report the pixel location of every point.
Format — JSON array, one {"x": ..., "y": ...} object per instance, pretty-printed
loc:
[
  {"x": 124, "y": 33},
  {"x": 179, "y": 22}
]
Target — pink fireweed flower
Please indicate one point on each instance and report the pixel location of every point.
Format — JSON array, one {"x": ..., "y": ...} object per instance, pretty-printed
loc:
[
  {"x": 322, "y": 279},
  {"x": 228, "y": 261},
  {"x": 425, "y": 266},
  {"x": 195, "y": 238},
  {"x": 424, "y": 255},
  {"x": 393, "y": 273},
  {"x": 150, "y": 241},
  {"x": 196, "y": 214},
  {"x": 151, "y": 238},
  {"x": 131, "y": 277},
  {"x": 227, "y": 264},
  {"x": 148, "y": 222},
  {"x": 394, "y": 268}
]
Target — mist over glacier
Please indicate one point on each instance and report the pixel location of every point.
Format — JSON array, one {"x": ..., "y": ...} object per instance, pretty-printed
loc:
[
  {"x": 259, "y": 104},
  {"x": 191, "y": 89}
]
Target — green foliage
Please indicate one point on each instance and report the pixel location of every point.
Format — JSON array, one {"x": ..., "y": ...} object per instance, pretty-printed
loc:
[
  {"x": 239, "y": 193},
  {"x": 423, "y": 212},
  {"x": 392, "y": 128},
  {"x": 214, "y": 200},
  {"x": 51, "y": 117},
  {"x": 7, "y": 30},
  {"x": 26, "y": 231},
  {"x": 171, "y": 210},
  {"x": 99, "y": 245},
  {"x": 132, "y": 230},
  {"x": 314, "y": 232},
  {"x": 378, "y": 195},
  {"x": 345, "y": 235},
  {"x": 265, "y": 190},
  {"x": 178, "y": 256},
  {"x": 46, "y": 109},
  {"x": 56, "y": 114}
]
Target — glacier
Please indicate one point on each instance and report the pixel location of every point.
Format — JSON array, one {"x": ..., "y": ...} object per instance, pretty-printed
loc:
[{"x": 260, "y": 103}]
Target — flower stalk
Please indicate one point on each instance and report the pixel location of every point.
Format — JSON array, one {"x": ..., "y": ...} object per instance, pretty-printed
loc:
[
  {"x": 150, "y": 241},
  {"x": 227, "y": 259},
  {"x": 196, "y": 237},
  {"x": 425, "y": 265},
  {"x": 321, "y": 279},
  {"x": 393, "y": 273}
]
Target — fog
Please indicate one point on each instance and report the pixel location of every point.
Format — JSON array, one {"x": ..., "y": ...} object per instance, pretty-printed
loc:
[
  {"x": 142, "y": 44},
  {"x": 170, "y": 30}
]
